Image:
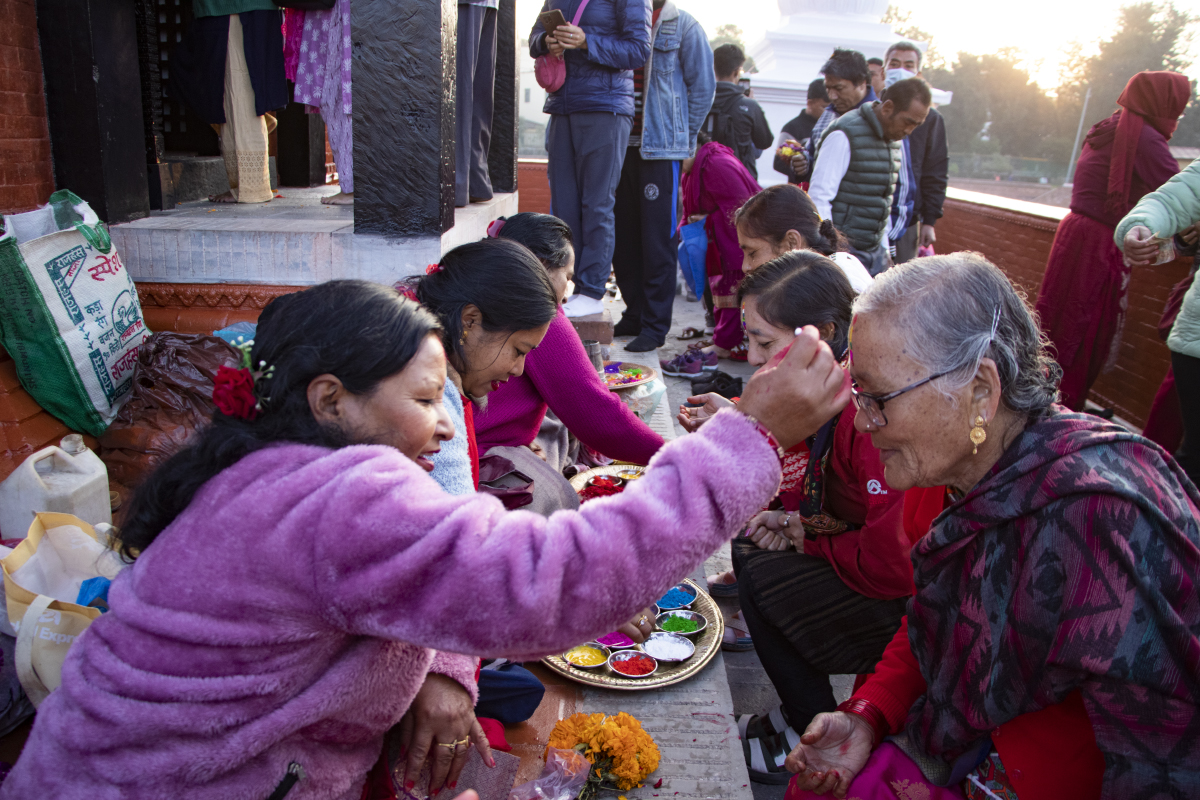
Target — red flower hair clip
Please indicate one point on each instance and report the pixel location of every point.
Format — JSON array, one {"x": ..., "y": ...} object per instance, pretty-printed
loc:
[
  {"x": 233, "y": 388},
  {"x": 433, "y": 268},
  {"x": 493, "y": 230}
]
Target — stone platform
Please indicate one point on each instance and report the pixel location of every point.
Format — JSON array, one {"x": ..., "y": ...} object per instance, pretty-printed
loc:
[{"x": 293, "y": 240}]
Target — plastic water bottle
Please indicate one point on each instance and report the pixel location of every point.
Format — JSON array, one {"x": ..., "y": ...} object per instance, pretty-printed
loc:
[{"x": 69, "y": 479}]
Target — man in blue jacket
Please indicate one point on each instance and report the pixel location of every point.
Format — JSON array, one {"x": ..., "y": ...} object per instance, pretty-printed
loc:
[
  {"x": 591, "y": 115},
  {"x": 672, "y": 95}
]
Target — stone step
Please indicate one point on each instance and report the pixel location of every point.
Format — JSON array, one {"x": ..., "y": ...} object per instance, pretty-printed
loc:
[{"x": 293, "y": 240}]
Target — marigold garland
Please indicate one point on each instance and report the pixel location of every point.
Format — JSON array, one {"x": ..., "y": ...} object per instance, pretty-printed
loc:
[{"x": 621, "y": 753}]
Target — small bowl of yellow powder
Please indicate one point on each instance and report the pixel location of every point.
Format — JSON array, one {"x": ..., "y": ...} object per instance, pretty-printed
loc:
[{"x": 587, "y": 656}]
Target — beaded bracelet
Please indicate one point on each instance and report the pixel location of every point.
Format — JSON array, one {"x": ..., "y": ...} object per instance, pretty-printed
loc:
[
  {"x": 771, "y": 440},
  {"x": 870, "y": 714}
]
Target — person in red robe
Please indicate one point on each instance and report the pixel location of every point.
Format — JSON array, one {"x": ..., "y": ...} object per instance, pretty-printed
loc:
[{"x": 1083, "y": 296}]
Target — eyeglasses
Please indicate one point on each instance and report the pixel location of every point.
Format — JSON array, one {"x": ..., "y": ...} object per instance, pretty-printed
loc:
[{"x": 872, "y": 404}]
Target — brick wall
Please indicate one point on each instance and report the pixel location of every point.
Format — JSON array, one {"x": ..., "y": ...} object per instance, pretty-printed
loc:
[
  {"x": 26, "y": 175},
  {"x": 1019, "y": 243},
  {"x": 534, "y": 186}
]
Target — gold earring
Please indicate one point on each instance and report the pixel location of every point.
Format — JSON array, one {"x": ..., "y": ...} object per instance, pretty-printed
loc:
[
  {"x": 978, "y": 435},
  {"x": 462, "y": 339}
]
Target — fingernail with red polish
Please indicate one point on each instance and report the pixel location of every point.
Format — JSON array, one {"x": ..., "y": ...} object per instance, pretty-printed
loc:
[
  {"x": 454, "y": 784},
  {"x": 409, "y": 784}
]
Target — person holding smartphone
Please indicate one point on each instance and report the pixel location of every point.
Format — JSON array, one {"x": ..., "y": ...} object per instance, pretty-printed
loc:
[{"x": 591, "y": 116}]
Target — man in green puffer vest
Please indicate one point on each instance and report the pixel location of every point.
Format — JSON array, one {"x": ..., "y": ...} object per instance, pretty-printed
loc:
[{"x": 858, "y": 163}]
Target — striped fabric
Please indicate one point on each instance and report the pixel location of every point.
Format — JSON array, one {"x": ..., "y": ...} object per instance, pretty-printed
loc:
[
  {"x": 838, "y": 630},
  {"x": 639, "y": 104}
]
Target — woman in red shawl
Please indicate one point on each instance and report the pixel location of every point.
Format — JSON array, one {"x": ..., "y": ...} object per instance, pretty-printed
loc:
[
  {"x": 1083, "y": 296},
  {"x": 716, "y": 185}
]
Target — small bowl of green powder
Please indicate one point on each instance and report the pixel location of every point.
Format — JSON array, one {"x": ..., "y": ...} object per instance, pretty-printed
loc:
[{"x": 682, "y": 622}]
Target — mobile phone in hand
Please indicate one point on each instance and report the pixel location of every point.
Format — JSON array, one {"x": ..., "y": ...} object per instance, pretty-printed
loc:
[{"x": 552, "y": 19}]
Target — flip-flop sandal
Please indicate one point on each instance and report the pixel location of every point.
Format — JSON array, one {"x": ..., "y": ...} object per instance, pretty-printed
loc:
[
  {"x": 689, "y": 333},
  {"x": 765, "y": 756},
  {"x": 733, "y": 643},
  {"x": 721, "y": 588},
  {"x": 740, "y": 353},
  {"x": 755, "y": 726},
  {"x": 700, "y": 345}
]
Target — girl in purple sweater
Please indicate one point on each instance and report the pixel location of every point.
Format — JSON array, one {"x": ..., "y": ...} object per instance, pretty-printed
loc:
[
  {"x": 558, "y": 375},
  {"x": 301, "y": 585}
]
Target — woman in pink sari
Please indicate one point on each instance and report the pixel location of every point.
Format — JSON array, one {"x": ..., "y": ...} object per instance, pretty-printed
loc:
[
  {"x": 317, "y": 58},
  {"x": 715, "y": 185}
]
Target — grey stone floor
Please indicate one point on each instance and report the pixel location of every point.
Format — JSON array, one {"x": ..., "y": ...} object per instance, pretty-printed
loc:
[{"x": 749, "y": 686}]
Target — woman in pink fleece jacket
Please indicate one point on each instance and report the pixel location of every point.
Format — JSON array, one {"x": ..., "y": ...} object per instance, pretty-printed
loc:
[{"x": 299, "y": 577}]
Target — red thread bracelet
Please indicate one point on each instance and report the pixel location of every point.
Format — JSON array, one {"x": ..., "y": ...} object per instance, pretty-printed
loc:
[
  {"x": 870, "y": 714},
  {"x": 770, "y": 437}
]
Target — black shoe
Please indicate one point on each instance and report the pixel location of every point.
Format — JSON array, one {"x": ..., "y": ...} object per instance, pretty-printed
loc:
[
  {"x": 1104, "y": 413},
  {"x": 726, "y": 385},
  {"x": 627, "y": 327},
  {"x": 643, "y": 344},
  {"x": 718, "y": 382}
]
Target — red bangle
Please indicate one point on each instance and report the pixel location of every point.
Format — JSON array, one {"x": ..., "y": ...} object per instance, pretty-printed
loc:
[
  {"x": 869, "y": 713},
  {"x": 771, "y": 440}
]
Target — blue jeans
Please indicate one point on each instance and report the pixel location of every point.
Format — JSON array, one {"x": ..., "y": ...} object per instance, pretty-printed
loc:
[{"x": 586, "y": 152}]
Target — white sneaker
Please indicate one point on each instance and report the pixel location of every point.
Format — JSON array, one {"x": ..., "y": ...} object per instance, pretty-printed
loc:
[{"x": 580, "y": 305}]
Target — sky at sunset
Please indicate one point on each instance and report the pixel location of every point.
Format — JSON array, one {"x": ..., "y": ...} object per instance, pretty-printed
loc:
[{"x": 1039, "y": 28}]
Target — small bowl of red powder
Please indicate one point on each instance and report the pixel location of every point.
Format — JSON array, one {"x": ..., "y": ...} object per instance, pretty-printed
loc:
[
  {"x": 606, "y": 482},
  {"x": 632, "y": 664},
  {"x": 601, "y": 486}
]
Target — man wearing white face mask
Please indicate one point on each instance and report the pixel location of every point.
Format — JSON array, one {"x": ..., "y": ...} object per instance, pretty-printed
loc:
[{"x": 927, "y": 163}]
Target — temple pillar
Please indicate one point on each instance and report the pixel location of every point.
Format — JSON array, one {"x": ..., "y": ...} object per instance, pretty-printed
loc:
[
  {"x": 94, "y": 104},
  {"x": 403, "y": 60},
  {"x": 502, "y": 155}
]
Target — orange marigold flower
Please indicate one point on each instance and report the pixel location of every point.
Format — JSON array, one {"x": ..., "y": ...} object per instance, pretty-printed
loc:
[{"x": 628, "y": 753}]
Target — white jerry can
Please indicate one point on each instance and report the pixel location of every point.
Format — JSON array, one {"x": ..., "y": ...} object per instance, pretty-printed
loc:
[{"x": 70, "y": 479}]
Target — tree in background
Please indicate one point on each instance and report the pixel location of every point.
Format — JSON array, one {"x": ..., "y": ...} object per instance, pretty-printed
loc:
[
  {"x": 732, "y": 34},
  {"x": 998, "y": 110},
  {"x": 996, "y": 89},
  {"x": 1148, "y": 36},
  {"x": 904, "y": 28}
]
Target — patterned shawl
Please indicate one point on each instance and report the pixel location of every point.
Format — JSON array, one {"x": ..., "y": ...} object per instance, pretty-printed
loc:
[{"x": 1072, "y": 565}]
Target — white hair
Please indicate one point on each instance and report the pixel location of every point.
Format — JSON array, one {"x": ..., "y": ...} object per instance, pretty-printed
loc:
[{"x": 952, "y": 312}]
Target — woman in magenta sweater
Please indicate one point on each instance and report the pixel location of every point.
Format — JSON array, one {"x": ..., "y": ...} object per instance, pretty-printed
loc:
[
  {"x": 300, "y": 583},
  {"x": 558, "y": 374}
]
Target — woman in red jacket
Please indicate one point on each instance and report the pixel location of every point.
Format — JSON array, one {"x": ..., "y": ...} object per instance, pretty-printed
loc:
[
  {"x": 1052, "y": 648},
  {"x": 823, "y": 576}
]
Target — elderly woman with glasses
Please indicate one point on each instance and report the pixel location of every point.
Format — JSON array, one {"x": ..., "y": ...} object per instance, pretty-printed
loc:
[{"x": 1051, "y": 648}]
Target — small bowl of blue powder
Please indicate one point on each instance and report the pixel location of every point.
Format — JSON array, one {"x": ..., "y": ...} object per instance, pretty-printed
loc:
[{"x": 680, "y": 596}]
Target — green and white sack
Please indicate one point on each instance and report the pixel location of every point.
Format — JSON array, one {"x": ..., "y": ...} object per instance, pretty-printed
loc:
[{"x": 69, "y": 312}]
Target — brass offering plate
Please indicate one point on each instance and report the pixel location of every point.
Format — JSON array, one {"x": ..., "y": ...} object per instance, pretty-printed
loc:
[{"x": 708, "y": 642}]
